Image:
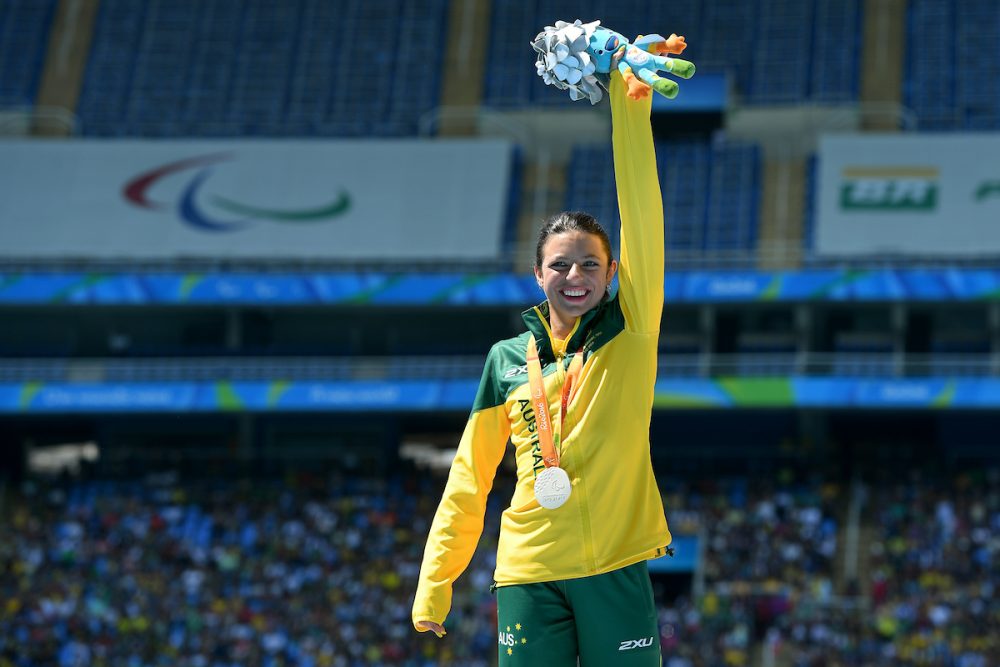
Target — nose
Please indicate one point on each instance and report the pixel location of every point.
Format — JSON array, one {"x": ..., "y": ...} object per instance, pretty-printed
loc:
[{"x": 575, "y": 271}]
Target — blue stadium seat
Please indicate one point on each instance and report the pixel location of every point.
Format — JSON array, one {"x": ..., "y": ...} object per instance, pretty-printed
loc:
[
  {"x": 24, "y": 38},
  {"x": 685, "y": 177},
  {"x": 734, "y": 192},
  {"x": 509, "y": 238},
  {"x": 590, "y": 186},
  {"x": 710, "y": 193},
  {"x": 952, "y": 75},
  {"x": 261, "y": 68},
  {"x": 727, "y": 36},
  {"x": 977, "y": 80},
  {"x": 836, "y": 48},
  {"x": 929, "y": 79},
  {"x": 781, "y": 60}
]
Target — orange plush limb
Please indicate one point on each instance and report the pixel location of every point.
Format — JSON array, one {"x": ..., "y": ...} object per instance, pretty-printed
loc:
[
  {"x": 636, "y": 89},
  {"x": 674, "y": 44}
]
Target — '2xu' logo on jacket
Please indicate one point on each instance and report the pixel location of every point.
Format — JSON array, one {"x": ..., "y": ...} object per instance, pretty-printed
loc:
[
  {"x": 629, "y": 644},
  {"x": 514, "y": 371}
]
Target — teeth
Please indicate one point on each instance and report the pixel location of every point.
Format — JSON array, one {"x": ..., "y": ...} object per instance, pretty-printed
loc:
[{"x": 574, "y": 292}]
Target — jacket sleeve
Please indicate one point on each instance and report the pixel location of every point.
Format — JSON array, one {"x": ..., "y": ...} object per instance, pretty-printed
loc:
[
  {"x": 458, "y": 522},
  {"x": 640, "y": 274}
]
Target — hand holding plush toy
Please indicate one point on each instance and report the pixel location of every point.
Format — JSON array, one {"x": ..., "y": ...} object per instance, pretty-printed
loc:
[{"x": 570, "y": 55}]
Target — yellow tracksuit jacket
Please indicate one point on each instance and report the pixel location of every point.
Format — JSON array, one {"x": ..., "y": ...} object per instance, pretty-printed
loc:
[{"x": 614, "y": 516}]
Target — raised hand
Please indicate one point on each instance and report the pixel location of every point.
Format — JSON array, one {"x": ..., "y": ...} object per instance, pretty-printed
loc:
[{"x": 424, "y": 626}]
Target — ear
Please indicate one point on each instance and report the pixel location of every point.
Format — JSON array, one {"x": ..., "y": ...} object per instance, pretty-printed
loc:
[
  {"x": 612, "y": 269},
  {"x": 538, "y": 277}
]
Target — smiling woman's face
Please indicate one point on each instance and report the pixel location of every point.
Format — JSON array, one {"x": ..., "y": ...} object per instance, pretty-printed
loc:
[{"x": 574, "y": 274}]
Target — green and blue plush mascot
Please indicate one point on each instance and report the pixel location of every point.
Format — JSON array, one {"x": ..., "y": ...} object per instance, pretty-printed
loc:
[{"x": 572, "y": 55}]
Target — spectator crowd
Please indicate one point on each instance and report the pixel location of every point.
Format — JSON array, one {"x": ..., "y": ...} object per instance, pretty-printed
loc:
[
  {"x": 299, "y": 572},
  {"x": 312, "y": 571}
]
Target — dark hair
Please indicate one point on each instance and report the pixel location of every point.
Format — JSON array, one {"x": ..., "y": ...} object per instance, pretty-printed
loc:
[{"x": 571, "y": 221}]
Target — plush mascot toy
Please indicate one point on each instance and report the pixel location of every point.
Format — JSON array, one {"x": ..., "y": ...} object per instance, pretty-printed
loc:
[{"x": 572, "y": 55}]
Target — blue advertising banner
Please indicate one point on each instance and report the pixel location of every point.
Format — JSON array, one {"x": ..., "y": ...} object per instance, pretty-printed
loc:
[
  {"x": 463, "y": 289},
  {"x": 457, "y": 395}
]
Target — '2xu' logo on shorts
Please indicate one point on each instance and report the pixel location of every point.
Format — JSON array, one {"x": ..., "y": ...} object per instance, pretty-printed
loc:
[{"x": 630, "y": 644}]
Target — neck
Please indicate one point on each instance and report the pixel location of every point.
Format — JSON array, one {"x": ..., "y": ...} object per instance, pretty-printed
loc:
[{"x": 560, "y": 325}]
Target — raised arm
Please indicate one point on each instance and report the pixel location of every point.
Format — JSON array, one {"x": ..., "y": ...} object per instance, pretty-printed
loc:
[
  {"x": 458, "y": 522},
  {"x": 640, "y": 273}
]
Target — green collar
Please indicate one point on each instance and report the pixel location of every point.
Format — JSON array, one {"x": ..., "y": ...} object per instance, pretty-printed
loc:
[{"x": 533, "y": 319}]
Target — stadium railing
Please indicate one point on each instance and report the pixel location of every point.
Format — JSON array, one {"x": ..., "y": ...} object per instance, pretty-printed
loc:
[
  {"x": 791, "y": 256},
  {"x": 22, "y": 121},
  {"x": 470, "y": 367}
]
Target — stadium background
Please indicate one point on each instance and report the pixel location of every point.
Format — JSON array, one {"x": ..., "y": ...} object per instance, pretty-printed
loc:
[{"x": 223, "y": 446}]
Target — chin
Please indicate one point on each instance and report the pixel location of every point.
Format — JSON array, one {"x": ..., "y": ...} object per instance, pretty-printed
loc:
[{"x": 576, "y": 309}]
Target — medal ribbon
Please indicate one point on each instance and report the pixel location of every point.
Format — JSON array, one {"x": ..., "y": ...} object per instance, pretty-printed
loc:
[{"x": 548, "y": 436}]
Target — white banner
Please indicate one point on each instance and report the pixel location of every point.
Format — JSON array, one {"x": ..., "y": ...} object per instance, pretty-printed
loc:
[
  {"x": 909, "y": 194},
  {"x": 298, "y": 199}
]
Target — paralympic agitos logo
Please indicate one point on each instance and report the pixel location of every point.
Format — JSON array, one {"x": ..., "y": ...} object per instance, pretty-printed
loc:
[{"x": 213, "y": 212}]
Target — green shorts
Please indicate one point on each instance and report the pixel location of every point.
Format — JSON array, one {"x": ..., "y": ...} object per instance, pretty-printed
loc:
[{"x": 605, "y": 620}]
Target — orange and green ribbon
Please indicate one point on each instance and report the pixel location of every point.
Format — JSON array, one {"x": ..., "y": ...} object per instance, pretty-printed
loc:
[{"x": 548, "y": 434}]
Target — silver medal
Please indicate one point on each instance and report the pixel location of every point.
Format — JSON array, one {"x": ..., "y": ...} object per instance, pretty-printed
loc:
[{"x": 552, "y": 487}]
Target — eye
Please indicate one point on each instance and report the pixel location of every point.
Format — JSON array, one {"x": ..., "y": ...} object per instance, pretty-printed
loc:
[
  {"x": 591, "y": 264},
  {"x": 558, "y": 265},
  {"x": 600, "y": 52}
]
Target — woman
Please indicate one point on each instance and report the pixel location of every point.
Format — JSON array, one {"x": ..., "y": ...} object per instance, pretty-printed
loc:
[{"x": 572, "y": 581}]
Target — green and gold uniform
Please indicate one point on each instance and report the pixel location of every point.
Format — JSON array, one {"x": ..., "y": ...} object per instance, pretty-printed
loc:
[{"x": 614, "y": 517}]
